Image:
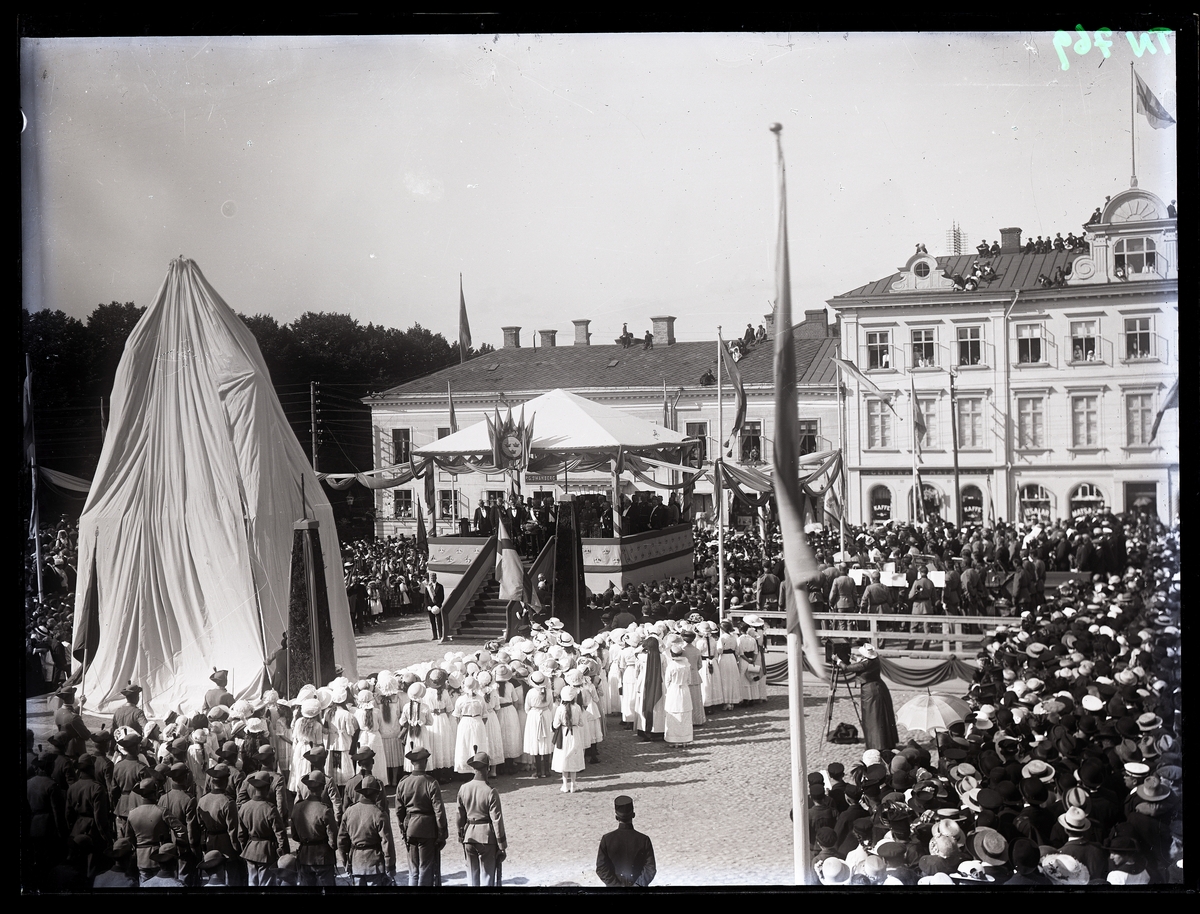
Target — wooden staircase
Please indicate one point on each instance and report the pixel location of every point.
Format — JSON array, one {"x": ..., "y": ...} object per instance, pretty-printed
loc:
[{"x": 485, "y": 618}]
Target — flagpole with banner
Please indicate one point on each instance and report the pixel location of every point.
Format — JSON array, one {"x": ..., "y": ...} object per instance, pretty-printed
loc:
[
  {"x": 918, "y": 433},
  {"x": 454, "y": 514},
  {"x": 717, "y": 489},
  {"x": 799, "y": 564},
  {"x": 31, "y": 456},
  {"x": 464, "y": 328}
]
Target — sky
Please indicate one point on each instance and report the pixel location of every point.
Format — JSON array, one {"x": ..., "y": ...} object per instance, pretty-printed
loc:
[{"x": 606, "y": 177}]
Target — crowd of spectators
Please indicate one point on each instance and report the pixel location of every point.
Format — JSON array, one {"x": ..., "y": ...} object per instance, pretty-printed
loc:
[{"x": 1067, "y": 770}]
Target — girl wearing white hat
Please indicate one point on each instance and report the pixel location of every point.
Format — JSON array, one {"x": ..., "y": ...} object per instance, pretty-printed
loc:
[
  {"x": 539, "y": 720},
  {"x": 472, "y": 737},
  {"x": 567, "y": 758},
  {"x": 307, "y": 733},
  {"x": 367, "y": 718}
]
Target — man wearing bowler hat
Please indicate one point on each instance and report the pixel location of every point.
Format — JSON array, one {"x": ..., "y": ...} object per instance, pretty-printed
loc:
[
  {"x": 626, "y": 856},
  {"x": 481, "y": 825},
  {"x": 422, "y": 817}
]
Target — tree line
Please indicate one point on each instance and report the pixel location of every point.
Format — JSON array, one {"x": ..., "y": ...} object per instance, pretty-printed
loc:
[{"x": 74, "y": 364}]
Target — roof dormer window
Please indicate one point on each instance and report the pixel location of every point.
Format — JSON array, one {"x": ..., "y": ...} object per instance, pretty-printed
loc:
[{"x": 1134, "y": 255}]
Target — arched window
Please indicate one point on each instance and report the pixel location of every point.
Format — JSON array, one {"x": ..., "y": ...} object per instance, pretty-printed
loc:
[
  {"x": 972, "y": 505},
  {"x": 1086, "y": 499},
  {"x": 881, "y": 504},
  {"x": 931, "y": 501},
  {"x": 1035, "y": 503}
]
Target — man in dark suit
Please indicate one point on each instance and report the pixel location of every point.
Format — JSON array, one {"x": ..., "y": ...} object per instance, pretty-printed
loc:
[
  {"x": 626, "y": 856},
  {"x": 422, "y": 817},
  {"x": 435, "y": 596},
  {"x": 483, "y": 518}
]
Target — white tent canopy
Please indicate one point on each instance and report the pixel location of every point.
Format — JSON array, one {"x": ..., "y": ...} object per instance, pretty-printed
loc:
[
  {"x": 186, "y": 536},
  {"x": 564, "y": 423}
]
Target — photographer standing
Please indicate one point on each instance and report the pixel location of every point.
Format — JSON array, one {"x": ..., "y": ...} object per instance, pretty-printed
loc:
[{"x": 879, "y": 717}]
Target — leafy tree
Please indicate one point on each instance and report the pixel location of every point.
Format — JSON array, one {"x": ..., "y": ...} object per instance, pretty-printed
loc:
[{"x": 108, "y": 328}]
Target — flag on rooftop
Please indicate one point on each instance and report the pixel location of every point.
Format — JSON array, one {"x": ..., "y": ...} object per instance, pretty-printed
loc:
[{"x": 1150, "y": 106}]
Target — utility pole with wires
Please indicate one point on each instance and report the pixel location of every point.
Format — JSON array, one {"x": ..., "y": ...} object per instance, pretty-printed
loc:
[{"x": 314, "y": 402}]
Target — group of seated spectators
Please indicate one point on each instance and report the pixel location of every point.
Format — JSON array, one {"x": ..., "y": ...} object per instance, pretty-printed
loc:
[{"x": 1066, "y": 771}]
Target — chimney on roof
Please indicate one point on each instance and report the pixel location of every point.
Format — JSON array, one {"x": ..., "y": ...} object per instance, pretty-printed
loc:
[
  {"x": 582, "y": 337},
  {"x": 1010, "y": 241},
  {"x": 815, "y": 325},
  {"x": 664, "y": 330},
  {"x": 548, "y": 338},
  {"x": 769, "y": 324},
  {"x": 512, "y": 337}
]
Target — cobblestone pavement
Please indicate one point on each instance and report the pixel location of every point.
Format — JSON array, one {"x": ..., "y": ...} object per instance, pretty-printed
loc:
[{"x": 717, "y": 813}]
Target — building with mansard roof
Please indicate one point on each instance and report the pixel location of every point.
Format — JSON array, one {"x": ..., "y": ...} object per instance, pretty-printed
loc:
[
  {"x": 1042, "y": 373},
  {"x": 632, "y": 379}
]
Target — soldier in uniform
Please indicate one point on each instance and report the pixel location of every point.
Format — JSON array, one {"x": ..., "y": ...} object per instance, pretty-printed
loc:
[
  {"x": 315, "y": 830},
  {"x": 218, "y": 695},
  {"x": 218, "y": 818},
  {"x": 264, "y": 832},
  {"x": 365, "y": 845},
  {"x": 130, "y": 714},
  {"x": 148, "y": 828},
  {"x": 126, "y": 774},
  {"x": 179, "y": 807},
  {"x": 118, "y": 876},
  {"x": 87, "y": 805},
  {"x": 626, "y": 856},
  {"x": 481, "y": 825},
  {"x": 422, "y": 818}
]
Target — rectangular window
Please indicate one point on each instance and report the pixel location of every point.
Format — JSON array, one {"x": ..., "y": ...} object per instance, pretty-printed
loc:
[
  {"x": 970, "y": 345},
  {"x": 970, "y": 422},
  {"x": 923, "y": 349},
  {"x": 1029, "y": 344},
  {"x": 401, "y": 445},
  {"x": 879, "y": 424},
  {"x": 929, "y": 414},
  {"x": 751, "y": 448},
  {"x": 1084, "y": 341},
  {"x": 443, "y": 432},
  {"x": 879, "y": 349},
  {"x": 1139, "y": 418},
  {"x": 808, "y": 436},
  {"x": 446, "y": 504},
  {"x": 1137, "y": 338},
  {"x": 699, "y": 431},
  {"x": 1085, "y": 431},
  {"x": 1031, "y": 422},
  {"x": 402, "y": 503}
]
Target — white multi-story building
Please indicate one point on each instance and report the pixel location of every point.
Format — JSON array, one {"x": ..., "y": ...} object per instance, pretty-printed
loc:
[
  {"x": 631, "y": 379},
  {"x": 1049, "y": 373}
]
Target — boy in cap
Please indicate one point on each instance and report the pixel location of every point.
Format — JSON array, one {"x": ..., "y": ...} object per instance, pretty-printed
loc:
[
  {"x": 626, "y": 856},
  {"x": 218, "y": 695},
  {"x": 481, "y": 825},
  {"x": 218, "y": 818},
  {"x": 166, "y": 856},
  {"x": 422, "y": 817},
  {"x": 130, "y": 714},
  {"x": 148, "y": 828},
  {"x": 365, "y": 846},
  {"x": 179, "y": 808},
  {"x": 212, "y": 870},
  {"x": 118, "y": 876},
  {"x": 315, "y": 829},
  {"x": 265, "y": 834}
]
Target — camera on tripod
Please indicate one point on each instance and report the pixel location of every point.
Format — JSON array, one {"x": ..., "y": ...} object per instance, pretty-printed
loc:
[{"x": 837, "y": 648}]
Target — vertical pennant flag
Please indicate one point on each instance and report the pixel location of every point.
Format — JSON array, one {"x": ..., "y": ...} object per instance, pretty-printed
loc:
[
  {"x": 422, "y": 539},
  {"x": 27, "y": 405},
  {"x": 1150, "y": 106},
  {"x": 799, "y": 562},
  {"x": 918, "y": 421},
  {"x": 509, "y": 570},
  {"x": 453, "y": 417},
  {"x": 739, "y": 390},
  {"x": 1171, "y": 402},
  {"x": 464, "y": 328}
]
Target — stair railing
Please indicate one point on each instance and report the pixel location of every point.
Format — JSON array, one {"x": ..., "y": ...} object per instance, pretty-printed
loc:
[{"x": 481, "y": 569}]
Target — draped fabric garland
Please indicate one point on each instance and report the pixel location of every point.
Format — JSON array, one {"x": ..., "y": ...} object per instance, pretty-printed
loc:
[{"x": 909, "y": 673}]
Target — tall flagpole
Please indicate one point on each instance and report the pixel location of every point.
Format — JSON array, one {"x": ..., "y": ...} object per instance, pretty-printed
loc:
[
  {"x": 842, "y": 448},
  {"x": 1132, "y": 128},
  {"x": 718, "y": 488}
]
